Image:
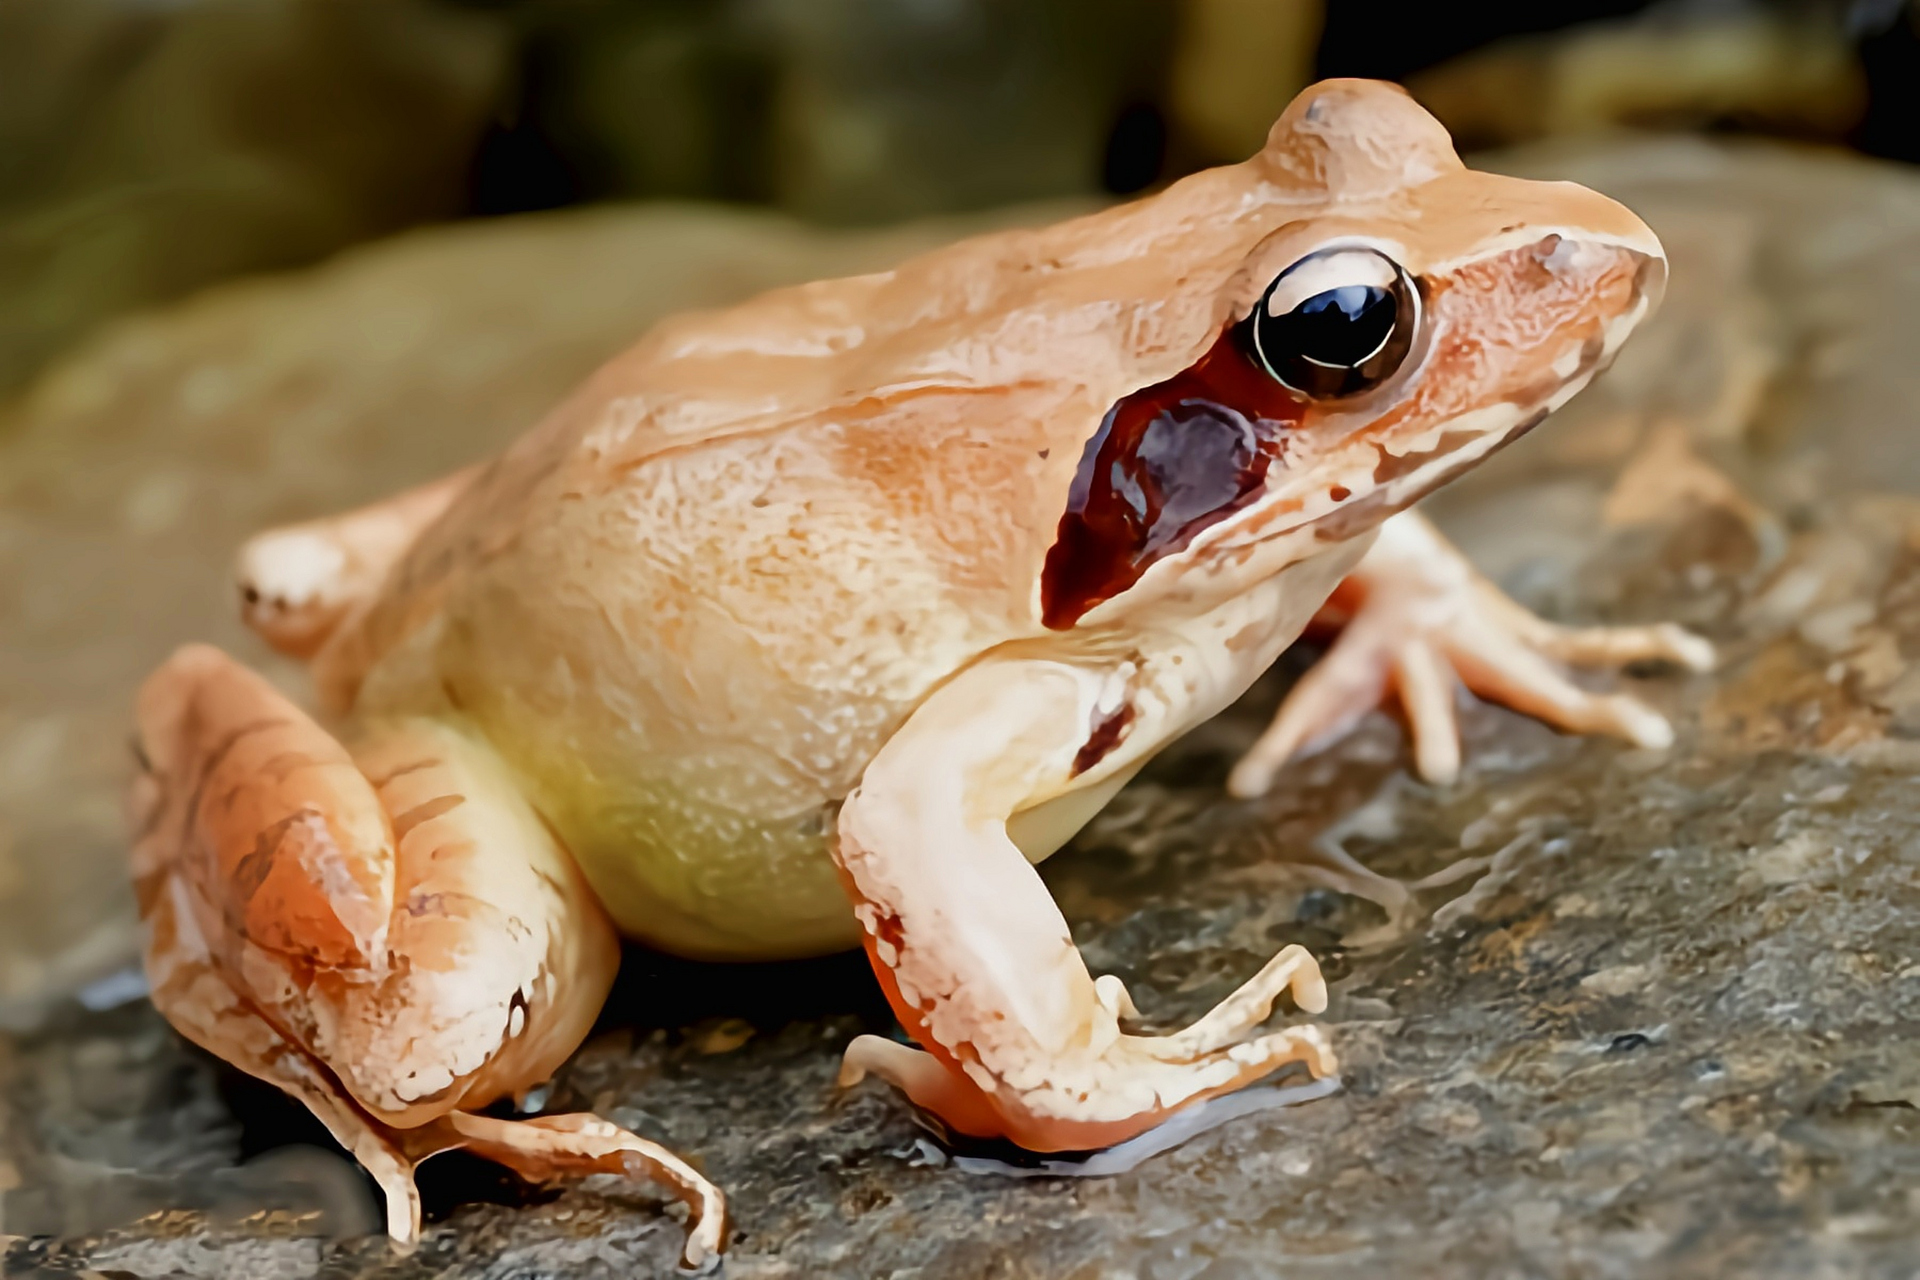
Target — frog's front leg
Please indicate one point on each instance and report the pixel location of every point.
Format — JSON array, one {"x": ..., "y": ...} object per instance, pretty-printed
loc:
[
  {"x": 389, "y": 933},
  {"x": 1019, "y": 1041},
  {"x": 298, "y": 582},
  {"x": 1416, "y": 619}
]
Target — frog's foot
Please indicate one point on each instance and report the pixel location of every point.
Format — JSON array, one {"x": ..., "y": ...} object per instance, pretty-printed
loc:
[
  {"x": 390, "y": 935},
  {"x": 1117, "y": 1085},
  {"x": 1020, "y": 1041},
  {"x": 299, "y": 582},
  {"x": 1417, "y": 619},
  {"x": 550, "y": 1147}
]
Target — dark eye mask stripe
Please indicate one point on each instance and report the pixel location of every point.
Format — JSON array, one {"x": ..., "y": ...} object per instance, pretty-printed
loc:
[{"x": 1169, "y": 461}]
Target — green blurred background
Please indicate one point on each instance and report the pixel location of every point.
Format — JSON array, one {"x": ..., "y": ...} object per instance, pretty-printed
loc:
[{"x": 151, "y": 147}]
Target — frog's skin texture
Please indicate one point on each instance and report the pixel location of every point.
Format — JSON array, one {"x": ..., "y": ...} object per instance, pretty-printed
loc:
[{"x": 755, "y": 648}]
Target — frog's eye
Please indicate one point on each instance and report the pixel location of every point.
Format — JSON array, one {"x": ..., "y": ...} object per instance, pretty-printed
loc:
[{"x": 1336, "y": 323}]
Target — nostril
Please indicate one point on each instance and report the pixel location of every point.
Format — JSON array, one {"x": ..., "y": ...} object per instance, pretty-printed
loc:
[{"x": 249, "y": 593}]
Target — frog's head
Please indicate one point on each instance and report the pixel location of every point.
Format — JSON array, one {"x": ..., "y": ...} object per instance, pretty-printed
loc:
[{"x": 1391, "y": 319}]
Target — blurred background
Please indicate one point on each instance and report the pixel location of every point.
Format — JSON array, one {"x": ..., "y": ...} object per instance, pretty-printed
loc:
[{"x": 151, "y": 147}]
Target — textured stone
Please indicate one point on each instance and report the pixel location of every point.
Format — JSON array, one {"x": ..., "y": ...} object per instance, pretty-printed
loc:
[{"x": 1664, "y": 1029}]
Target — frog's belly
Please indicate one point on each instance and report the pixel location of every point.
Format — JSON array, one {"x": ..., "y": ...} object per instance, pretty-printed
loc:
[
  {"x": 707, "y": 882},
  {"x": 714, "y": 884}
]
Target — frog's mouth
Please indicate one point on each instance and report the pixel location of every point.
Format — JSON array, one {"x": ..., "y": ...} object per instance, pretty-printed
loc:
[
  {"x": 1392, "y": 472},
  {"x": 1402, "y": 480}
]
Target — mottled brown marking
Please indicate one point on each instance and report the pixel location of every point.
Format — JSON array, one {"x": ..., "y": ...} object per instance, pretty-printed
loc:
[
  {"x": 1394, "y": 465},
  {"x": 214, "y": 759},
  {"x": 426, "y": 812},
  {"x": 1355, "y": 518},
  {"x": 1168, "y": 462},
  {"x": 447, "y": 903},
  {"x": 286, "y": 762},
  {"x": 148, "y": 888},
  {"x": 252, "y": 871},
  {"x": 380, "y": 783},
  {"x": 1105, "y": 737},
  {"x": 450, "y": 849},
  {"x": 888, "y": 929},
  {"x": 1348, "y": 521}
]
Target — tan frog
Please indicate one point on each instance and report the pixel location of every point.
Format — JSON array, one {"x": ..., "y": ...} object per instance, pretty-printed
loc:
[{"x": 817, "y": 621}]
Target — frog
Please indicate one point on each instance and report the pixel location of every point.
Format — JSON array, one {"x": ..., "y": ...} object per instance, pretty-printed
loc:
[{"x": 817, "y": 621}]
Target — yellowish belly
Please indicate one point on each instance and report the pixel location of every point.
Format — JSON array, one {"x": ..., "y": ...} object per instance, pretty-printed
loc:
[{"x": 716, "y": 885}]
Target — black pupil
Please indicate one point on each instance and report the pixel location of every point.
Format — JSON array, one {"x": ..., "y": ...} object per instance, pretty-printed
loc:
[
  {"x": 1340, "y": 327},
  {"x": 1339, "y": 342}
]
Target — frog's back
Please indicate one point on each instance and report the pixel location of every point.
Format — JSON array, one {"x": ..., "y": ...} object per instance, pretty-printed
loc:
[{"x": 691, "y": 605}]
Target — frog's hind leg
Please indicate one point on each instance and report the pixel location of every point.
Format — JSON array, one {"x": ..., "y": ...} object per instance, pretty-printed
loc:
[
  {"x": 299, "y": 582},
  {"x": 390, "y": 934},
  {"x": 1417, "y": 619},
  {"x": 198, "y": 1000}
]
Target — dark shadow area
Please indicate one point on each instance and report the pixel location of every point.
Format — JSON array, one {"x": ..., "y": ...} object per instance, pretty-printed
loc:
[
  {"x": 655, "y": 991},
  {"x": 1392, "y": 39}
]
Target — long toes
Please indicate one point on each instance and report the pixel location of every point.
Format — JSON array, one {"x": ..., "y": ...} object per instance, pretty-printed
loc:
[
  {"x": 402, "y": 1200},
  {"x": 1597, "y": 646},
  {"x": 573, "y": 1145},
  {"x": 1293, "y": 970},
  {"x": 1426, "y": 685},
  {"x": 1625, "y": 716},
  {"x": 1326, "y": 702},
  {"x": 1567, "y": 707},
  {"x": 1267, "y": 1054},
  {"x": 1500, "y": 668},
  {"x": 1619, "y": 646},
  {"x": 1666, "y": 642},
  {"x": 1113, "y": 996}
]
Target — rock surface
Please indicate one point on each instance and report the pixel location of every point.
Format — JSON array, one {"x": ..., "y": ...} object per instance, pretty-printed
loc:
[{"x": 1665, "y": 1029}]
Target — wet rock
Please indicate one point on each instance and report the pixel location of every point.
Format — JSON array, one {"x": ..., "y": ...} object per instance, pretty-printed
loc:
[{"x": 1661, "y": 1028}]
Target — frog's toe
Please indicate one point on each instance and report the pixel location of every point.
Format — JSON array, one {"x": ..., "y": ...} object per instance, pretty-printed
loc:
[
  {"x": 1417, "y": 623},
  {"x": 1115, "y": 1086},
  {"x": 546, "y": 1148},
  {"x": 292, "y": 586},
  {"x": 1662, "y": 642},
  {"x": 1350, "y": 680},
  {"x": 1115, "y": 998},
  {"x": 1504, "y": 668},
  {"x": 1293, "y": 971}
]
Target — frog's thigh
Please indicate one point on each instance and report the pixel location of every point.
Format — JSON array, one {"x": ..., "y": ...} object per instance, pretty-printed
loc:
[
  {"x": 391, "y": 935},
  {"x": 298, "y": 582},
  {"x": 1020, "y": 1040},
  {"x": 189, "y": 988}
]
